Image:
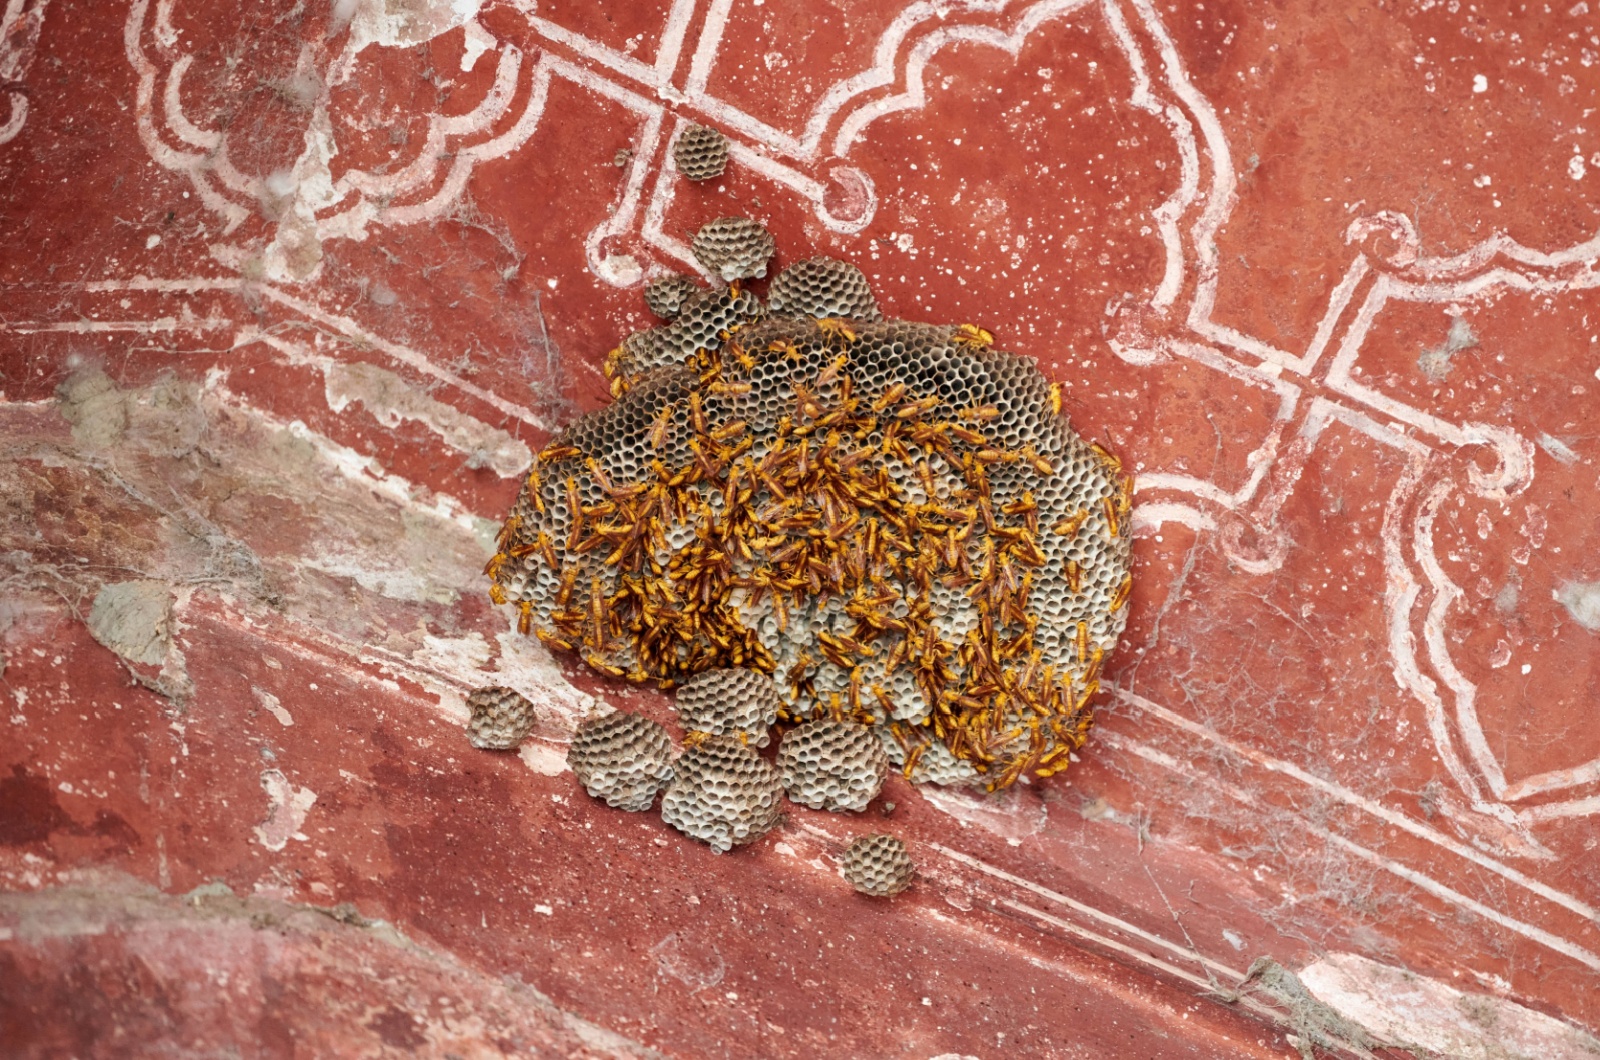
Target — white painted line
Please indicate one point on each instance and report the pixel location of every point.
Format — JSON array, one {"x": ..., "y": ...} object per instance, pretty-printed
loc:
[
  {"x": 405, "y": 355},
  {"x": 1090, "y": 911},
  {"x": 1342, "y": 794}
]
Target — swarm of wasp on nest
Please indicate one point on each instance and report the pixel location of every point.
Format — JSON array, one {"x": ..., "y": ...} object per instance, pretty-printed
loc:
[{"x": 894, "y": 520}]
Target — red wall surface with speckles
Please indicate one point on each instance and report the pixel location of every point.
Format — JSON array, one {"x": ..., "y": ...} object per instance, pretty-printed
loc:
[{"x": 289, "y": 294}]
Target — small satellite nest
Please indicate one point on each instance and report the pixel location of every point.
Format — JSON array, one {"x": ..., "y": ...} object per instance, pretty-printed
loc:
[
  {"x": 501, "y": 717},
  {"x": 878, "y": 865},
  {"x": 735, "y": 248},
  {"x": 893, "y": 519},
  {"x": 823, "y": 287},
  {"x": 832, "y": 765},
  {"x": 622, "y": 758},
  {"x": 666, "y": 296},
  {"x": 701, "y": 153},
  {"x": 722, "y": 793}
]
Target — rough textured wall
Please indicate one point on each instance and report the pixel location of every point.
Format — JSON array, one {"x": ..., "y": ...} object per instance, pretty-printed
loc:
[{"x": 289, "y": 293}]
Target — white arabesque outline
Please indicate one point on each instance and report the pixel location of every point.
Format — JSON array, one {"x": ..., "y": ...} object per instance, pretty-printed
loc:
[{"x": 19, "y": 38}]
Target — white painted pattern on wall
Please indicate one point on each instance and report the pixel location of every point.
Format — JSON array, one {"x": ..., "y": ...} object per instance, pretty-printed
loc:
[
  {"x": 1311, "y": 389},
  {"x": 19, "y": 40}
]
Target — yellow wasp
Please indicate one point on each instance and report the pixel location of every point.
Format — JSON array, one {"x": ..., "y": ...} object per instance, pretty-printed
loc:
[
  {"x": 835, "y": 328},
  {"x": 973, "y": 336}
]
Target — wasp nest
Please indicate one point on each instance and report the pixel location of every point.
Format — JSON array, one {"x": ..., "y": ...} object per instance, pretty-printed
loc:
[
  {"x": 878, "y": 865},
  {"x": 822, "y": 287},
  {"x": 730, "y": 702},
  {"x": 622, "y": 758},
  {"x": 735, "y": 248},
  {"x": 832, "y": 765},
  {"x": 501, "y": 717},
  {"x": 702, "y": 318},
  {"x": 722, "y": 793},
  {"x": 895, "y": 520},
  {"x": 666, "y": 296},
  {"x": 701, "y": 153}
]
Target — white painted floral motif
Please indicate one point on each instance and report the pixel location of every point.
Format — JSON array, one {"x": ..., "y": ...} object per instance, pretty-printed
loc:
[
  {"x": 308, "y": 204},
  {"x": 19, "y": 38}
]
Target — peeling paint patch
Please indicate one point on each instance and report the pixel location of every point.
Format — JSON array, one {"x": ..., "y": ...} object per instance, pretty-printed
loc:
[
  {"x": 447, "y": 664},
  {"x": 287, "y": 807},
  {"x": 528, "y": 666},
  {"x": 543, "y": 759},
  {"x": 1582, "y": 601},
  {"x": 402, "y": 23},
  {"x": 467, "y": 654},
  {"x": 420, "y": 546},
  {"x": 1558, "y": 449},
  {"x": 350, "y": 518},
  {"x": 1418, "y": 1013},
  {"x": 366, "y": 471},
  {"x": 270, "y": 703},
  {"x": 293, "y": 196},
  {"x": 164, "y": 418},
  {"x": 620, "y": 270},
  {"x": 404, "y": 576},
  {"x": 1435, "y": 362},
  {"x": 390, "y": 400}
]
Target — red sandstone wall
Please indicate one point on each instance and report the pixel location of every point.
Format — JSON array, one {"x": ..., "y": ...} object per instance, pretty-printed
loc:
[{"x": 288, "y": 292}]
